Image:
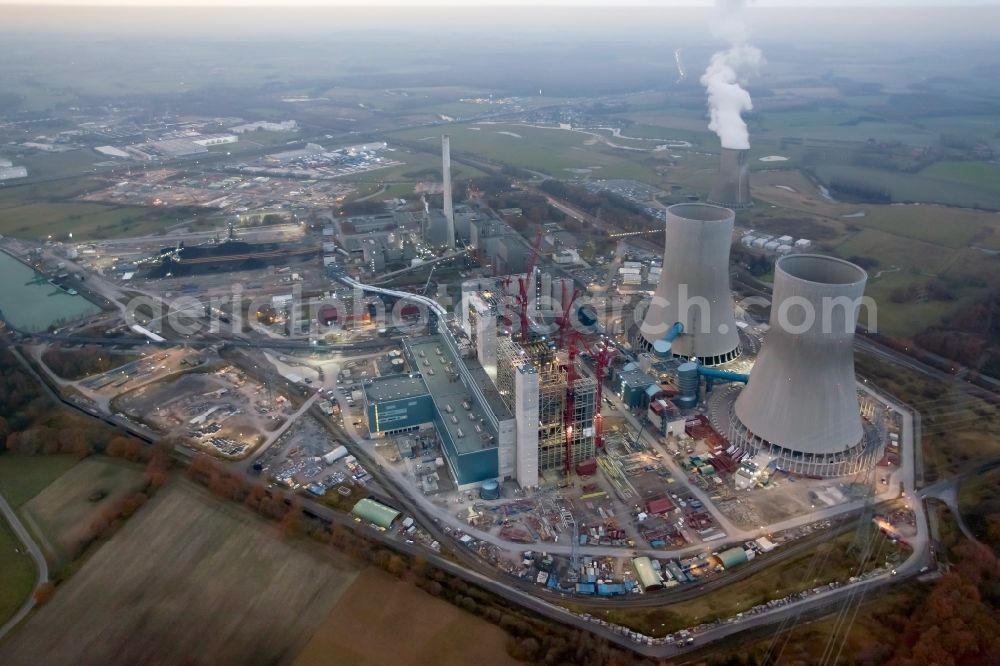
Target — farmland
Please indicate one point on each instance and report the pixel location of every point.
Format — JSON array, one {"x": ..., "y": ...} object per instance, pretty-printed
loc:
[
  {"x": 23, "y": 477},
  {"x": 185, "y": 576},
  {"x": 975, "y": 173},
  {"x": 552, "y": 151},
  {"x": 381, "y": 620},
  {"x": 18, "y": 572},
  {"x": 68, "y": 504},
  {"x": 906, "y": 187}
]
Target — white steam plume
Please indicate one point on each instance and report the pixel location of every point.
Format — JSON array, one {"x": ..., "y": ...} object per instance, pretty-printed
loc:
[{"x": 726, "y": 74}]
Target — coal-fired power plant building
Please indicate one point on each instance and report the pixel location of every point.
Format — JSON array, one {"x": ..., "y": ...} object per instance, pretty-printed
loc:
[
  {"x": 800, "y": 406},
  {"x": 732, "y": 184},
  {"x": 691, "y": 313}
]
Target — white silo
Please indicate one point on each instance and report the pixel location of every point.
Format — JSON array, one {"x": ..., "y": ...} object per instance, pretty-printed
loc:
[
  {"x": 801, "y": 403},
  {"x": 691, "y": 313}
]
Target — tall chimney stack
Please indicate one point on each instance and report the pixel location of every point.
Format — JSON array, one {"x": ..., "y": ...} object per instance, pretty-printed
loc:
[
  {"x": 449, "y": 211},
  {"x": 732, "y": 184}
]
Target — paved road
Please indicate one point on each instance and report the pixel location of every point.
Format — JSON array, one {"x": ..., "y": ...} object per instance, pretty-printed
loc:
[
  {"x": 947, "y": 492},
  {"x": 36, "y": 554}
]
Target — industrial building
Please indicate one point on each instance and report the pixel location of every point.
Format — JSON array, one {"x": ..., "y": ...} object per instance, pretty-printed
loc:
[
  {"x": 801, "y": 405},
  {"x": 450, "y": 391},
  {"x": 526, "y": 370},
  {"x": 691, "y": 313},
  {"x": 634, "y": 386},
  {"x": 376, "y": 513}
]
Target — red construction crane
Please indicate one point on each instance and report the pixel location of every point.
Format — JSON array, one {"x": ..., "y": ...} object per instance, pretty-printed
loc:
[
  {"x": 566, "y": 319},
  {"x": 523, "y": 283},
  {"x": 602, "y": 360},
  {"x": 569, "y": 410},
  {"x": 505, "y": 300}
]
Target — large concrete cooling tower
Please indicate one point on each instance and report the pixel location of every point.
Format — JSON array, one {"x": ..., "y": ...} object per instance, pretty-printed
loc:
[
  {"x": 732, "y": 184},
  {"x": 694, "y": 288},
  {"x": 801, "y": 404}
]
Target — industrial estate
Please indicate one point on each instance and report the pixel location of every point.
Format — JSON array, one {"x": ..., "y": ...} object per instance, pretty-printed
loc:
[{"x": 452, "y": 375}]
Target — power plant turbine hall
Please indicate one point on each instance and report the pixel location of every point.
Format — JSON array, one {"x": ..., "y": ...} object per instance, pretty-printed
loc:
[
  {"x": 694, "y": 288},
  {"x": 801, "y": 403}
]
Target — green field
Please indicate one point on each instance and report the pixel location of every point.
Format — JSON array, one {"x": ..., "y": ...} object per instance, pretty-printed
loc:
[
  {"x": 891, "y": 250},
  {"x": 906, "y": 187},
  {"x": 902, "y": 319},
  {"x": 84, "y": 220},
  {"x": 23, "y": 477},
  {"x": 17, "y": 570},
  {"x": 948, "y": 227},
  {"x": 976, "y": 173},
  {"x": 552, "y": 151}
]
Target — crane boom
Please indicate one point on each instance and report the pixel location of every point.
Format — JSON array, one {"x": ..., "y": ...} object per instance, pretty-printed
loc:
[
  {"x": 569, "y": 409},
  {"x": 601, "y": 361},
  {"x": 523, "y": 286}
]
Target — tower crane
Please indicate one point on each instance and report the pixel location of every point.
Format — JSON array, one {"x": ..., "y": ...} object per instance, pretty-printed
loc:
[
  {"x": 523, "y": 286},
  {"x": 605, "y": 353},
  {"x": 505, "y": 300},
  {"x": 569, "y": 409},
  {"x": 566, "y": 318}
]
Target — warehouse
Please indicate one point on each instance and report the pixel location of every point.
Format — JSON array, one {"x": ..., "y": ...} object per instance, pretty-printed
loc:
[
  {"x": 648, "y": 578},
  {"x": 376, "y": 513},
  {"x": 732, "y": 557}
]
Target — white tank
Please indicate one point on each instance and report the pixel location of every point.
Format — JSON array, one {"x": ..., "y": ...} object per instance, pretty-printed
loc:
[{"x": 694, "y": 286}]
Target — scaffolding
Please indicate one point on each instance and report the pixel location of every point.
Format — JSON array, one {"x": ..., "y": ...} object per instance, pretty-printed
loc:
[{"x": 552, "y": 380}]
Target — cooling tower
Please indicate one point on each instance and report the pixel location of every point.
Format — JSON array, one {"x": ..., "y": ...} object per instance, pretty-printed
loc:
[
  {"x": 732, "y": 184},
  {"x": 801, "y": 403},
  {"x": 694, "y": 288},
  {"x": 449, "y": 210}
]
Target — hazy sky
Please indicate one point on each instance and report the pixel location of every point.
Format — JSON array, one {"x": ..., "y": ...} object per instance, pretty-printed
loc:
[{"x": 483, "y": 3}]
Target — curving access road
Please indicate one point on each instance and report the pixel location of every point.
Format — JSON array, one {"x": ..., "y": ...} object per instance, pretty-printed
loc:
[{"x": 36, "y": 554}]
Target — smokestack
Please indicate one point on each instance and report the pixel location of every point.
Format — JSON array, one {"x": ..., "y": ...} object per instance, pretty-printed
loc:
[
  {"x": 449, "y": 211},
  {"x": 694, "y": 288},
  {"x": 801, "y": 403},
  {"x": 732, "y": 184},
  {"x": 724, "y": 80}
]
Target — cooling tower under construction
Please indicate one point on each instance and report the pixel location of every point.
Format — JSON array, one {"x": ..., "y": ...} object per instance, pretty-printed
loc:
[
  {"x": 801, "y": 403},
  {"x": 691, "y": 313},
  {"x": 732, "y": 184}
]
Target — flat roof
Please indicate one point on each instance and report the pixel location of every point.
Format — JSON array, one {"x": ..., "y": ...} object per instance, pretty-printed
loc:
[
  {"x": 637, "y": 377},
  {"x": 450, "y": 395},
  {"x": 395, "y": 387}
]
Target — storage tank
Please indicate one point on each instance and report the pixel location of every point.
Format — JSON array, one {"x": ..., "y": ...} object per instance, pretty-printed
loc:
[
  {"x": 694, "y": 286},
  {"x": 801, "y": 403},
  {"x": 689, "y": 384},
  {"x": 490, "y": 490}
]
